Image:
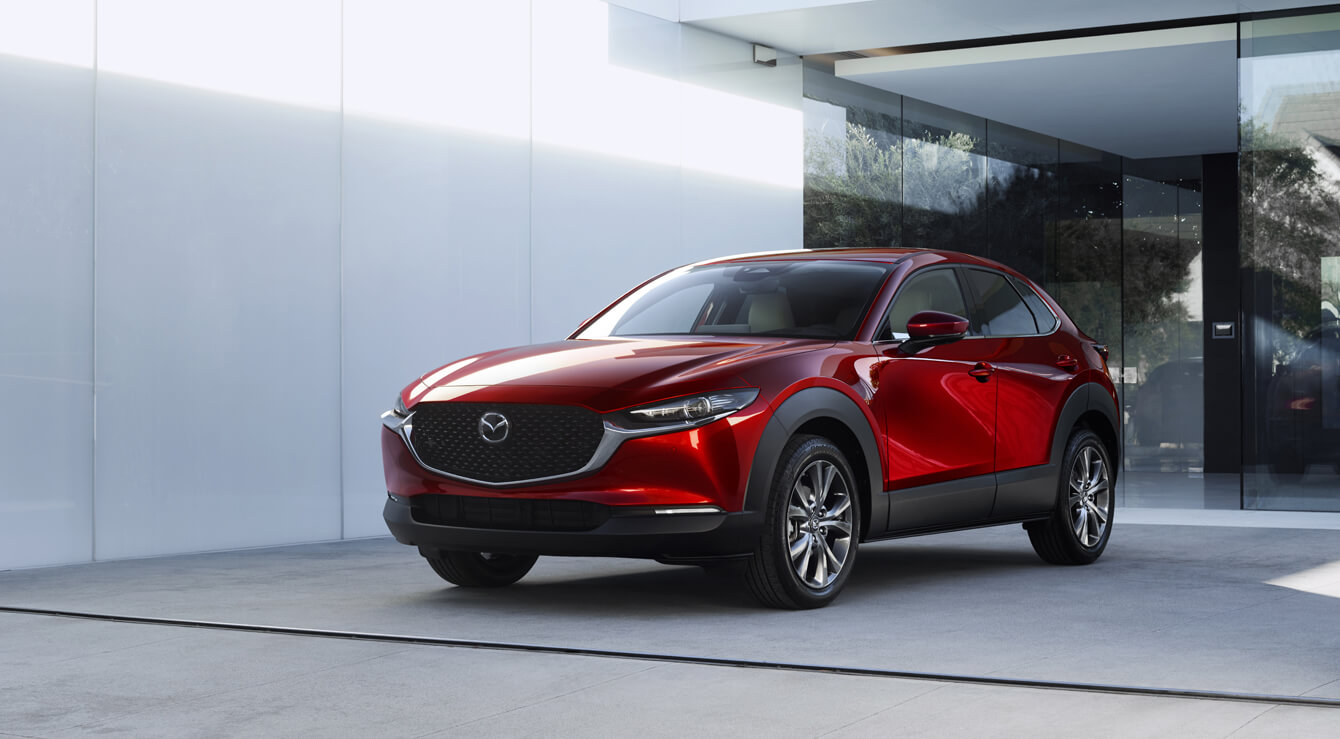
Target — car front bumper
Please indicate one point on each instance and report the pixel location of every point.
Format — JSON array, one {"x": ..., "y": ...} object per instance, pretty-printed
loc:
[{"x": 688, "y": 535}]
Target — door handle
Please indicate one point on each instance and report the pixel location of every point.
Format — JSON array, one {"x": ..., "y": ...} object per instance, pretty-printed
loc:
[
  {"x": 982, "y": 371},
  {"x": 1067, "y": 362}
]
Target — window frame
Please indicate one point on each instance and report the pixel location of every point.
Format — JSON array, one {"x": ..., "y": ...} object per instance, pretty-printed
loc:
[{"x": 1056, "y": 320}]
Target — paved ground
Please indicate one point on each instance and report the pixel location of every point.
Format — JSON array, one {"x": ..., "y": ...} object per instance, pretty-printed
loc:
[{"x": 1176, "y": 607}]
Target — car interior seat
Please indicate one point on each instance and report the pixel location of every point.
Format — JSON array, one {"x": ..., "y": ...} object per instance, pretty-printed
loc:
[{"x": 769, "y": 312}]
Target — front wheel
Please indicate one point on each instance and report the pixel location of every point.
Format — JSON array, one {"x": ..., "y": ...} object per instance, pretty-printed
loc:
[
  {"x": 481, "y": 569},
  {"x": 811, "y": 528},
  {"x": 1081, "y": 523}
]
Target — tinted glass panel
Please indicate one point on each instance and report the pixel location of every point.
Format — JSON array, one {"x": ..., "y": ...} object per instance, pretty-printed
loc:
[
  {"x": 1163, "y": 337},
  {"x": 1290, "y": 138},
  {"x": 944, "y": 178},
  {"x": 935, "y": 289},
  {"x": 853, "y": 164},
  {"x": 815, "y": 299},
  {"x": 1021, "y": 198},
  {"x": 999, "y": 309}
]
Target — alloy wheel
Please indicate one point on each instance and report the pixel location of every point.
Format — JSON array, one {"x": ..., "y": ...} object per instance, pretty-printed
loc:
[
  {"x": 819, "y": 524},
  {"x": 1090, "y": 497}
]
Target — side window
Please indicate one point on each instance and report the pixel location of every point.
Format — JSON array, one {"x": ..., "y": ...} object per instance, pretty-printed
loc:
[
  {"x": 935, "y": 289},
  {"x": 1043, "y": 315},
  {"x": 1000, "y": 310}
]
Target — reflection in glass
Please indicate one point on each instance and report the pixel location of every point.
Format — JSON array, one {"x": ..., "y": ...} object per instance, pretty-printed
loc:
[
  {"x": 1021, "y": 198},
  {"x": 1085, "y": 275},
  {"x": 1163, "y": 319},
  {"x": 1290, "y": 221},
  {"x": 853, "y": 165},
  {"x": 944, "y": 178}
]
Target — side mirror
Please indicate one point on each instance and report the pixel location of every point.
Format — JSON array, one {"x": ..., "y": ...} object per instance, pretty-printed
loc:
[{"x": 931, "y": 328}]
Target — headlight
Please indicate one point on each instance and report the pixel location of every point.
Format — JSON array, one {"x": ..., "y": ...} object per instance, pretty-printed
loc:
[
  {"x": 397, "y": 419},
  {"x": 690, "y": 411}
]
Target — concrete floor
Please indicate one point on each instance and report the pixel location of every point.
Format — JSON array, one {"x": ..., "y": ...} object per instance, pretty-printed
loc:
[{"x": 1179, "y": 607}]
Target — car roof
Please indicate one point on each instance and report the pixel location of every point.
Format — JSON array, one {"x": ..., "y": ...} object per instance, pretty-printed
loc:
[{"x": 884, "y": 256}]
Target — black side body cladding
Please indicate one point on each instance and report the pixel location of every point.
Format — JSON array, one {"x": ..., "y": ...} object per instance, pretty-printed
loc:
[
  {"x": 807, "y": 405},
  {"x": 1087, "y": 397}
]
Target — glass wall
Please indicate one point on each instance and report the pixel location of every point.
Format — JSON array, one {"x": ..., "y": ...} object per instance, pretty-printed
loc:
[
  {"x": 1021, "y": 187},
  {"x": 853, "y": 164},
  {"x": 1289, "y": 74},
  {"x": 1163, "y": 323},
  {"x": 944, "y": 178}
]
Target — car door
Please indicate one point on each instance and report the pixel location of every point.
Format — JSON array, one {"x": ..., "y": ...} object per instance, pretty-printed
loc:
[
  {"x": 1034, "y": 367},
  {"x": 938, "y": 409}
]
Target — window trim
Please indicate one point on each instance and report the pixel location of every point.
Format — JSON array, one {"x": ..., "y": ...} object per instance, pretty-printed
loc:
[{"x": 1056, "y": 320}]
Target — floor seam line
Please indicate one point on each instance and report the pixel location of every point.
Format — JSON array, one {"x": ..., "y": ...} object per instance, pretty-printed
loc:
[{"x": 849, "y": 671}]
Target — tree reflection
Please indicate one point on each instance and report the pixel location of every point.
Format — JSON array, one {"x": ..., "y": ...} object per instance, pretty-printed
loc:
[
  {"x": 853, "y": 189},
  {"x": 943, "y": 192},
  {"x": 1290, "y": 219}
]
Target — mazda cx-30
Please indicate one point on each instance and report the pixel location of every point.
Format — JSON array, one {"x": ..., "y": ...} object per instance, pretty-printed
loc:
[{"x": 779, "y": 409}]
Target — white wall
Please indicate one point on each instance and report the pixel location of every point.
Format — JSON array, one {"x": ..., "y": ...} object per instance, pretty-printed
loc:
[
  {"x": 243, "y": 226},
  {"x": 46, "y": 282},
  {"x": 217, "y": 277}
]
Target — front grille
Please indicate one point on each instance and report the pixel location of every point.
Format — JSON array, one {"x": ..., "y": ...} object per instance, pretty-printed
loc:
[
  {"x": 542, "y": 440},
  {"x": 517, "y": 514}
]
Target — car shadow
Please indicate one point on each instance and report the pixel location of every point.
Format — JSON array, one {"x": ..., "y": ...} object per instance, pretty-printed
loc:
[
  {"x": 660, "y": 589},
  {"x": 883, "y": 570}
]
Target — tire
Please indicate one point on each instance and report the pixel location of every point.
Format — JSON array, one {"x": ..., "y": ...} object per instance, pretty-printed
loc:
[
  {"x": 813, "y": 510},
  {"x": 1081, "y": 522},
  {"x": 480, "y": 569}
]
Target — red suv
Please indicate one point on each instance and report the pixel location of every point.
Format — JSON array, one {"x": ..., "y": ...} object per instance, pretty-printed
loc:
[{"x": 773, "y": 408}]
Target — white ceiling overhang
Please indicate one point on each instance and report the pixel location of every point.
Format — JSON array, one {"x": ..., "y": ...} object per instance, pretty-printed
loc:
[
  {"x": 1151, "y": 93},
  {"x": 819, "y": 26}
]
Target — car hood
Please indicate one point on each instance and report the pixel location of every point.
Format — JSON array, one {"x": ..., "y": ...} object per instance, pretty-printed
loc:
[{"x": 604, "y": 374}]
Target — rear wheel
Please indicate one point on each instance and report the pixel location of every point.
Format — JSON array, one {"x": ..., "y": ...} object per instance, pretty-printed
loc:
[
  {"x": 1081, "y": 523},
  {"x": 481, "y": 569},
  {"x": 811, "y": 528}
]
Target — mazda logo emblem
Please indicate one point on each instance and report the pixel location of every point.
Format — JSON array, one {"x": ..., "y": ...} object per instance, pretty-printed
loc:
[{"x": 493, "y": 427}]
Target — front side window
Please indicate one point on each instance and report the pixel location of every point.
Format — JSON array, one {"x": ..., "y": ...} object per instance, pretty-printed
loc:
[
  {"x": 1000, "y": 310},
  {"x": 934, "y": 289},
  {"x": 813, "y": 298}
]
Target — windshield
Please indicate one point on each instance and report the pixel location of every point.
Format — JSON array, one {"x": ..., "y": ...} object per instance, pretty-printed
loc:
[{"x": 805, "y": 299}]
